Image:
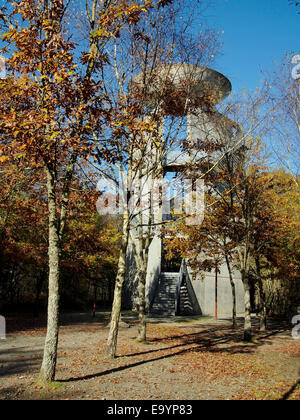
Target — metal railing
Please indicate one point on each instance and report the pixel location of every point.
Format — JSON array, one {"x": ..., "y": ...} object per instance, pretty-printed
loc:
[{"x": 182, "y": 272}]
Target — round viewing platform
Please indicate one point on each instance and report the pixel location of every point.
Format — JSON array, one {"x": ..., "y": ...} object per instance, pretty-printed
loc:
[{"x": 178, "y": 88}]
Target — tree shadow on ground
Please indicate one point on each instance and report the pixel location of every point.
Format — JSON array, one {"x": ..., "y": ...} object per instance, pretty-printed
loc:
[
  {"x": 210, "y": 340},
  {"x": 291, "y": 390},
  {"x": 216, "y": 336},
  {"x": 9, "y": 393},
  {"x": 21, "y": 361}
]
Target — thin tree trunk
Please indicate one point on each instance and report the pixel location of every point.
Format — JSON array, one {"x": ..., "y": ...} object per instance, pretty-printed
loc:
[
  {"x": 247, "y": 322},
  {"x": 244, "y": 269},
  {"x": 143, "y": 255},
  {"x": 262, "y": 298},
  {"x": 38, "y": 291},
  {"x": 216, "y": 292},
  {"x": 142, "y": 327},
  {"x": 111, "y": 346},
  {"x": 47, "y": 373},
  {"x": 263, "y": 317},
  {"x": 95, "y": 300},
  {"x": 234, "y": 324},
  {"x": 142, "y": 273}
]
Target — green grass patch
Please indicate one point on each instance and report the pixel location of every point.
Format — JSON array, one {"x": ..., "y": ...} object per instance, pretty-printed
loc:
[
  {"x": 48, "y": 386},
  {"x": 145, "y": 343}
]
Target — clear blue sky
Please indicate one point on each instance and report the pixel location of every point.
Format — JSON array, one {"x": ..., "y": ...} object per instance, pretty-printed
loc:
[{"x": 257, "y": 35}]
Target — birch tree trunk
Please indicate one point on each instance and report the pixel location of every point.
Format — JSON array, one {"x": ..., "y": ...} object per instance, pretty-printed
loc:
[
  {"x": 232, "y": 290},
  {"x": 111, "y": 345},
  {"x": 142, "y": 327},
  {"x": 243, "y": 254},
  {"x": 143, "y": 257},
  {"x": 47, "y": 373},
  {"x": 262, "y": 298},
  {"x": 247, "y": 322}
]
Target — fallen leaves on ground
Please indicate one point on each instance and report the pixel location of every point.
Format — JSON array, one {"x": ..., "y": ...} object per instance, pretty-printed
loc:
[{"x": 202, "y": 361}]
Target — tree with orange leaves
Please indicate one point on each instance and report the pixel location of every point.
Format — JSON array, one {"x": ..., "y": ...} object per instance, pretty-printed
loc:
[{"x": 53, "y": 106}]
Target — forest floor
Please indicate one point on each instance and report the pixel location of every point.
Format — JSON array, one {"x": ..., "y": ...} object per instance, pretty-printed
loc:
[{"x": 184, "y": 359}]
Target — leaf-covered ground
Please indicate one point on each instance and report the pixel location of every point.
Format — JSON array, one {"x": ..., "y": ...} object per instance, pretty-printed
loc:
[{"x": 201, "y": 359}]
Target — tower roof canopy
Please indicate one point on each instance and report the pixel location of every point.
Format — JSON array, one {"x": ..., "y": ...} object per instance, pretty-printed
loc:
[{"x": 178, "y": 88}]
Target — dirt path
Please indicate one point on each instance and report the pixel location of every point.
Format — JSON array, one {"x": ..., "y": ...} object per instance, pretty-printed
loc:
[{"x": 193, "y": 360}]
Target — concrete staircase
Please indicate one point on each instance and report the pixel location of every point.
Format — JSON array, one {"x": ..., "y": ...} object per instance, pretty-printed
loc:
[{"x": 164, "y": 303}]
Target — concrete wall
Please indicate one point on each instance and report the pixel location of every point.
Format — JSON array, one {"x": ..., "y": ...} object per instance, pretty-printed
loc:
[
  {"x": 153, "y": 269},
  {"x": 205, "y": 293}
]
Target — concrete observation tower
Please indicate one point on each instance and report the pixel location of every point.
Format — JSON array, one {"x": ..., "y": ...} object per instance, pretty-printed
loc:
[{"x": 190, "y": 93}]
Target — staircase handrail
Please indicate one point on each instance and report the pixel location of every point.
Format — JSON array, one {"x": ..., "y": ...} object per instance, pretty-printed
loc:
[{"x": 179, "y": 282}]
